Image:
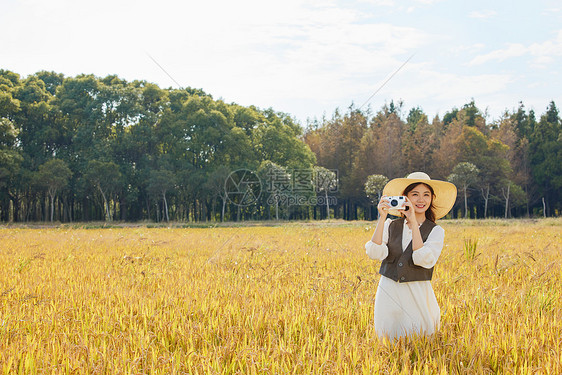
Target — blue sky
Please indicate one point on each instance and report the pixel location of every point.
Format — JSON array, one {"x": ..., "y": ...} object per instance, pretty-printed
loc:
[{"x": 306, "y": 58}]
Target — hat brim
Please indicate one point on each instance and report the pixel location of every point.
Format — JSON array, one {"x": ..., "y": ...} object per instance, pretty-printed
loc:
[{"x": 445, "y": 193}]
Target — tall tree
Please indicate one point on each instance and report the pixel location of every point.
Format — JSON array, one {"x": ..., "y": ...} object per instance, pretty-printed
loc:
[
  {"x": 419, "y": 142},
  {"x": 325, "y": 181},
  {"x": 53, "y": 175},
  {"x": 276, "y": 184},
  {"x": 105, "y": 178},
  {"x": 447, "y": 154},
  {"x": 215, "y": 185},
  {"x": 9, "y": 156},
  {"x": 464, "y": 175},
  {"x": 546, "y": 156},
  {"x": 161, "y": 182},
  {"x": 390, "y": 131},
  {"x": 374, "y": 186}
]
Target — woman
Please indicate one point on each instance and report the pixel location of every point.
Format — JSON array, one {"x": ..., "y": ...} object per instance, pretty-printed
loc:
[{"x": 409, "y": 248}]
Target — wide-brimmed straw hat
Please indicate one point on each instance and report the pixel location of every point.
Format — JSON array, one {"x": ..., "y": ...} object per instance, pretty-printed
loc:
[{"x": 445, "y": 192}]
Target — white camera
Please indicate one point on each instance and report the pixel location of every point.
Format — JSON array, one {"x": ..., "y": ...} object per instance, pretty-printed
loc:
[{"x": 397, "y": 202}]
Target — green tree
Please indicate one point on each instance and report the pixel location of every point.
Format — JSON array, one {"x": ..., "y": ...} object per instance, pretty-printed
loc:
[
  {"x": 277, "y": 140},
  {"x": 512, "y": 131},
  {"x": 494, "y": 168},
  {"x": 160, "y": 182},
  {"x": 325, "y": 181},
  {"x": 464, "y": 174},
  {"x": 51, "y": 80},
  {"x": 545, "y": 148},
  {"x": 215, "y": 185},
  {"x": 276, "y": 184},
  {"x": 414, "y": 117},
  {"x": 10, "y": 158},
  {"x": 53, "y": 175},
  {"x": 513, "y": 195},
  {"x": 471, "y": 116},
  {"x": 105, "y": 178},
  {"x": 374, "y": 187}
]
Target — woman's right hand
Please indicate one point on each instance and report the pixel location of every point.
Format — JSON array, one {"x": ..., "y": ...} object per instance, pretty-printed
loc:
[{"x": 383, "y": 206}]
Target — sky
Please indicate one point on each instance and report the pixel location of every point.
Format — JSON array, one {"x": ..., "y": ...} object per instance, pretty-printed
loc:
[{"x": 304, "y": 58}]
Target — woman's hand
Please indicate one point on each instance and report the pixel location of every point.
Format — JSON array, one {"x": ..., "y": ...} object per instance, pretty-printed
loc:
[
  {"x": 383, "y": 207},
  {"x": 409, "y": 213}
]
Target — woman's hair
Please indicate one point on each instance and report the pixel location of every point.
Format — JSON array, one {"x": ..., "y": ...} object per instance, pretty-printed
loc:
[{"x": 429, "y": 213}]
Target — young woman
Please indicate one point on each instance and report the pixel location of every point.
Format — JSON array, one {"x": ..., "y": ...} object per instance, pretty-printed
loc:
[{"x": 409, "y": 248}]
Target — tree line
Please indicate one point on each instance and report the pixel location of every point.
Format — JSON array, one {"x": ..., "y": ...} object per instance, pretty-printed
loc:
[
  {"x": 511, "y": 167},
  {"x": 89, "y": 148}
]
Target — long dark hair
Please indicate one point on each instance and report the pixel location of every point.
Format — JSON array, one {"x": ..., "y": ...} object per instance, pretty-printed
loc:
[{"x": 429, "y": 213}]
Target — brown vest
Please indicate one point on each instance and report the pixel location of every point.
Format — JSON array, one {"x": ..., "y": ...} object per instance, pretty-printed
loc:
[{"x": 398, "y": 265}]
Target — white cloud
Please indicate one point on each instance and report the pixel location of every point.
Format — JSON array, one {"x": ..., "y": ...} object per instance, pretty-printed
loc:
[
  {"x": 431, "y": 85},
  {"x": 463, "y": 49},
  {"x": 512, "y": 50},
  {"x": 427, "y": 2},
  {"x": 483, "y": 14},
  {"x": 386, "y": 3},
  {"x": 550, "y": 11},
  {"x": 542, "y": 53}
]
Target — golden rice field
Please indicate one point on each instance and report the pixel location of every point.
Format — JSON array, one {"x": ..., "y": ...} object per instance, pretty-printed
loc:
[{"x": 293, "y": 298}]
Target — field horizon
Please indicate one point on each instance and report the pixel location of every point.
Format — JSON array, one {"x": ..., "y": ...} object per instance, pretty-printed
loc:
[{"x": 265, "y": 223}]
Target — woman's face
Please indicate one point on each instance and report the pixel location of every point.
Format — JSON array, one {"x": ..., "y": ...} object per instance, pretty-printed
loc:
[{"x": 421, "y": 197}]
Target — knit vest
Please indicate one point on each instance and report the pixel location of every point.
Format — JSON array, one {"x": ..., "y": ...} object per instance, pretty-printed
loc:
[{"x": 399, "y": 265}]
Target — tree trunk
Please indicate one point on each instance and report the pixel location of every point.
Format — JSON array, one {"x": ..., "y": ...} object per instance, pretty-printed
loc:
[
  {"x": 52, "y": 206},
  {"x": 122, "y": 208},
  {"x": 165, "y": 206},
  {"x": 465, "y": 203},
  {"x": 148, "y": 207},
  {"x": 107, "y": 211},
  {"x": 16, "y": 207},
  {"x": 105, "y": 205},
  {"x": 46, "y": 214},
  {"x": 327, "y": 206},
  {"x": 486, "y": 197},
  {"x": 506, "y": 196}
]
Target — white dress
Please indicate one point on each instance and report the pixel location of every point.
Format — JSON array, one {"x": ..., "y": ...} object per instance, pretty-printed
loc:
[{"x": 402, "y": 308}]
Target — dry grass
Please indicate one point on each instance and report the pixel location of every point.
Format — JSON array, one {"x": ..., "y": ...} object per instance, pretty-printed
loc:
[{"x": 286, "y": 299}]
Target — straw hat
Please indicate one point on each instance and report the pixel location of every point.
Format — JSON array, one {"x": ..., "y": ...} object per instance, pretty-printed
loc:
[{"x": 445, "y": 192}]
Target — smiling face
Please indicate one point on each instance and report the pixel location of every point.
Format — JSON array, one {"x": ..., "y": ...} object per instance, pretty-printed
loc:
[{"x": 421, "y": 198}]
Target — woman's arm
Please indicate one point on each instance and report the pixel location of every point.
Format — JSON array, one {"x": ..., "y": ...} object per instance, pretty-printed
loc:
[
  {"x": 376, "y": 248},
  {"x": 379, "y": 251},
  {"x": 427, "y": 255},
  {"x": 382, "y": 207},
  {"x": 417, "y": 241}
]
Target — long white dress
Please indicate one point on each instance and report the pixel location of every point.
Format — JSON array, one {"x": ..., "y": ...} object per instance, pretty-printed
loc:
[{"x": 403, "y": 308}]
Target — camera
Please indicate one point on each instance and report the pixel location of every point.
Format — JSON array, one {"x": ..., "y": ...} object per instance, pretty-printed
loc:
[{"x": 397, "y": 202}]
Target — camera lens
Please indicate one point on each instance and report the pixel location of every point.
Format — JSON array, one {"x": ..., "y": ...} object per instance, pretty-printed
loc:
[{"x": 394, "y": 203}]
